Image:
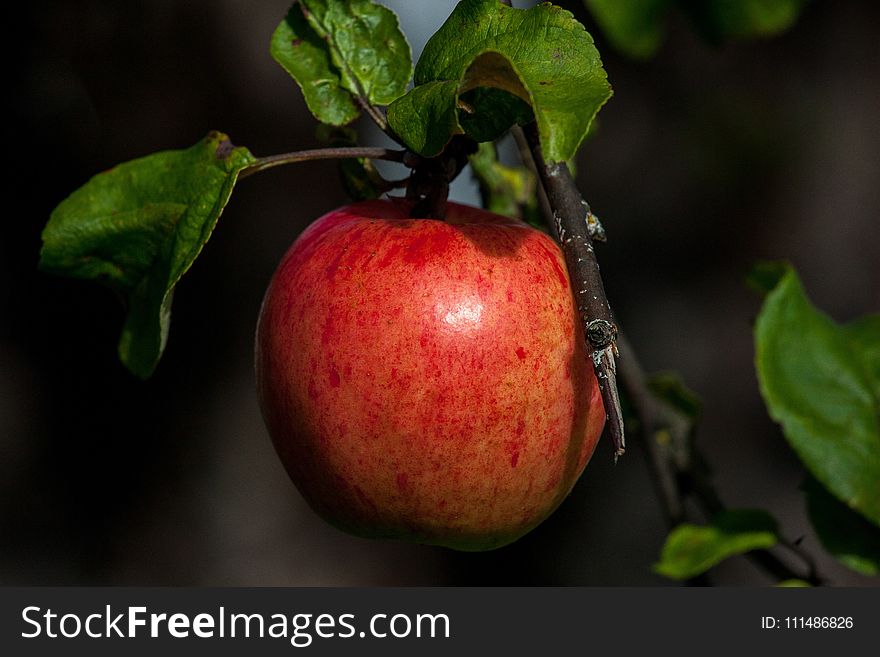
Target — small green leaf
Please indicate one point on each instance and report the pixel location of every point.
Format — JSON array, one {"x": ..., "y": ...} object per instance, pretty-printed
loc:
[
  {"x": 138, "y": 227},
  {"x": 669, "y": 387},
  {"x": 794, "y": 584},
  {"x": 306, "y": 57},
  {"x": 508, "y": 191},
  {"x": 366, "y": 45},
  {"x": 691, "y": 550},
  {"x": 820, "y": 382},
  {"x": 542, "y": 56},
  {"x": 634, "y": 27},
  {"x": 342, "y": 50},
  {"x": 425, "y": 118},
  {"x": 851, "y": 539}
]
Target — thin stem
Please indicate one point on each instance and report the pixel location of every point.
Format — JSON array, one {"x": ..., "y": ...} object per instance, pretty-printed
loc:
[
  {"x": 651, "y": 422},
  {"x": 813, "y": 575},
  {"x": 372, "y": 153},
  {"x": 373, "y": 112},
  {"x": 570, "y": 214}
]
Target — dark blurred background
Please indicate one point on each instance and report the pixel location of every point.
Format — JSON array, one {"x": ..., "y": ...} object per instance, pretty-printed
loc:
[{"x": 707, "y": 158}]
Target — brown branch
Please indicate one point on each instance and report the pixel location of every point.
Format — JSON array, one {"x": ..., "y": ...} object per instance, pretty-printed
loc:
[
  {"x": 572, "y": 227},
  {"x": 667, "y": 434},
  {"x": 677, "y": 468},
  {"x": 372, "y": 153},
  {"x": 653, "y": 419}
]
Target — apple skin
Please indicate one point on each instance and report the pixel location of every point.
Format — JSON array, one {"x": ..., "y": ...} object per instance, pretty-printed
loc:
[{"x": 426, "y": 380}]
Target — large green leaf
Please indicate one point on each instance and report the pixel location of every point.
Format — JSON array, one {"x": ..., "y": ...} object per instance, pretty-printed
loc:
[
  {"x": 138, "y": 227},
  {"x": 691, "y": 550},
  {"x": 820, "y": 382},
  {"x": 340, "y": 50},
  {"x": 848, "y": 536},
  {"x": 635, "y": 27},
  {"x": 541, "y": 56},
  {"x": 864, "y": 335}
]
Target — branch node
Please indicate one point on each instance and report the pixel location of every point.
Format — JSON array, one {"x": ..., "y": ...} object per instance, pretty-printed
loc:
[{"x": 600, "y": 333}]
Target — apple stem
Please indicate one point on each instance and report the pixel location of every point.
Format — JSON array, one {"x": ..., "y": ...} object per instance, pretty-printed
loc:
[
  {"x": 428, "y": 185},
  {"x": 368, "y": 152},
  {"x": 571, "y": 223}
]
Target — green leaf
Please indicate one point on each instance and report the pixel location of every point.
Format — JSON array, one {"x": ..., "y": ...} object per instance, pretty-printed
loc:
[
  {"x": 850, "y": 538},
  {"x": 691, "y": 550},
  {"x": 669, "y": 387},
  {"x": 485, "y": 114},
  {"x": 508, "y": 191},
  {"x": 794, "y": 584},
  {"x": 634, "y": 27},
  {"x": 820, "y": 382},
  {"x": 306, "y": 57},
  {"x": 425, "y": 118},
  {"x": 864, "y": 336},
  {"x": 542, "y": 56},
  {"x": 743, "y": 19},
  {"x": 366, "y": 44},
  {"x": 138, "y": 227},
  {"x": 341, "y": 50}
]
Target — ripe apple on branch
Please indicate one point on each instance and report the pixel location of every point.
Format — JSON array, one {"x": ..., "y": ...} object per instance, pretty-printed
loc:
[
  {"x": 427, "y": 379},
  {"x": 424, "y": 368},
  {"x": 440, "y": 373}
]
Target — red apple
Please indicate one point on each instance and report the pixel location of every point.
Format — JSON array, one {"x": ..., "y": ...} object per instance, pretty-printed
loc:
[{"x": 427, "y": 380}]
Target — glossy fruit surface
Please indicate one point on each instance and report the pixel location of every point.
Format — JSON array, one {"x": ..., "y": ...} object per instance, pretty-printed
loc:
[{"x": 426, "y": 380}]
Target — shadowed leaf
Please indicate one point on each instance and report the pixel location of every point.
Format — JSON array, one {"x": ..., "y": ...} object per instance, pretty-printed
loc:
[
  {"x": 138, "y": 227},
  {"x": 852, "y": 540}
]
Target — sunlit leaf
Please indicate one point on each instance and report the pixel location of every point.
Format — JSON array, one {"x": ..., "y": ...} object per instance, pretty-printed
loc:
[
  {"x": 540, "y": 57},
  {"x": 820, "y": 382},
  {"x": 691, "y": 550}
]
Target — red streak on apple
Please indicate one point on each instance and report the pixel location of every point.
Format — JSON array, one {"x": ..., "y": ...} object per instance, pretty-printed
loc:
[{"x": 426, "y": 380}]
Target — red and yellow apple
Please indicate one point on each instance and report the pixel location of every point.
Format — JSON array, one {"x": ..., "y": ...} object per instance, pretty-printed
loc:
[{"x": 427, "y": 380}]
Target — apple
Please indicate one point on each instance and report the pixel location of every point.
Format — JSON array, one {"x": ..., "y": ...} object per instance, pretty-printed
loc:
[{"x": 427, "y": 380}]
